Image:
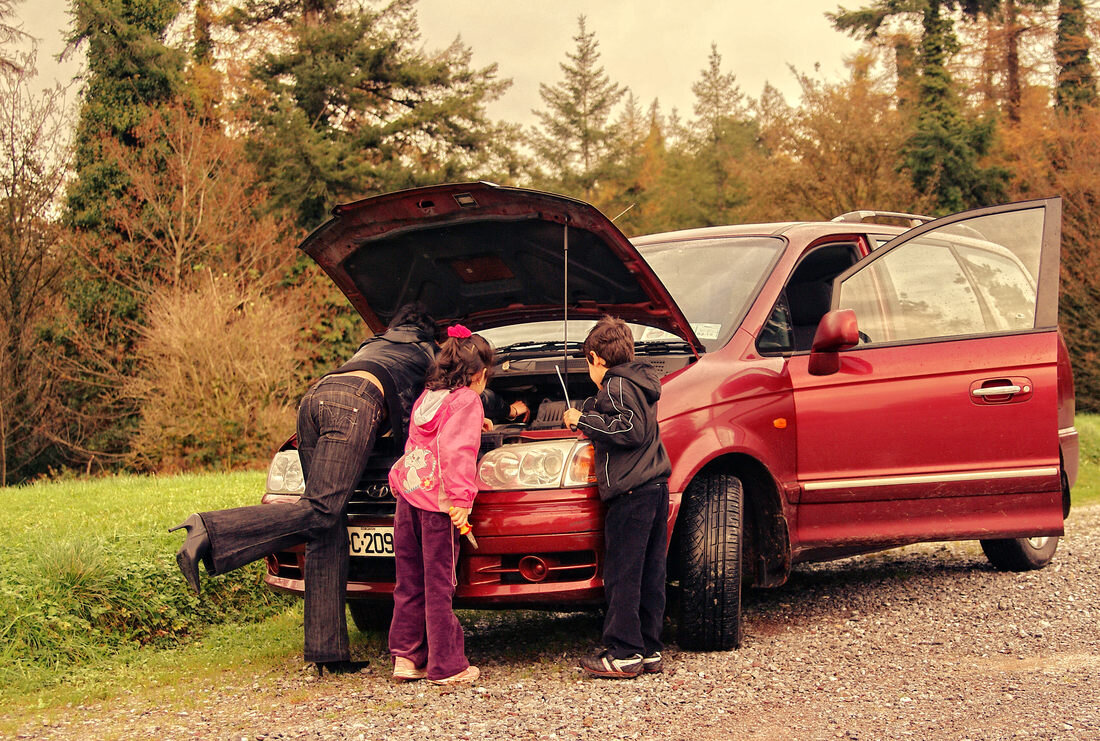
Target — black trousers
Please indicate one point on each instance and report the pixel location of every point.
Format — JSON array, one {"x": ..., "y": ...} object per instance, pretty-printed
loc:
[
  {"x": 338, "y": 420},
  {"x": 635, "y": 551}
]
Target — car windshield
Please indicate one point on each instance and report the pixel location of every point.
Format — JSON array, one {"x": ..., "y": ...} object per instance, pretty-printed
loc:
[
  {"x": 538, "y": 337},
  {"x": 713, "y": 281}
]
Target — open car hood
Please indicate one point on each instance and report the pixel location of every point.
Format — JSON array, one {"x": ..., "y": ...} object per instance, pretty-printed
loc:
[{"x": 485, "y": 255}]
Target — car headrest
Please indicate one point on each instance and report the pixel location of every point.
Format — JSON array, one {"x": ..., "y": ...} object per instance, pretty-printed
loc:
[{"x": 809, "y": 302}]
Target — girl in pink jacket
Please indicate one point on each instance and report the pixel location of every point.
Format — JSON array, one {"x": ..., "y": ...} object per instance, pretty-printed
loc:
[{"x": 435, "y": 483}]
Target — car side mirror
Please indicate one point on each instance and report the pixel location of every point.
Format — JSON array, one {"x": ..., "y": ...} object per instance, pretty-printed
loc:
[{"x": 836, "y": 331}]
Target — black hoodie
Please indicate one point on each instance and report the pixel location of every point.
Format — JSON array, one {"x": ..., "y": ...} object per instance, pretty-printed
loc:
[{"x": 621, "y": 422}]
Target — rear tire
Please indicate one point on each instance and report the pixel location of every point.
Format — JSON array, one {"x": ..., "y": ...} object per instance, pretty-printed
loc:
[
  {"x": 371, "y": 616},
  {"x": 710, "y": 525},
  {"x": 1020, "y": 554}
]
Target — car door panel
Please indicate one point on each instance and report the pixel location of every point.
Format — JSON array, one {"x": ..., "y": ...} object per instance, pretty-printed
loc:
[{"x": 944, "y": 425}]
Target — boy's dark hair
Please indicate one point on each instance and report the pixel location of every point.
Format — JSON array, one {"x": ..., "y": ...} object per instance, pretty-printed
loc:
[
  {"x": 459, "y": 359},
  {"x": 416, "y": 314},
  {"x": 612, "y": 340}
]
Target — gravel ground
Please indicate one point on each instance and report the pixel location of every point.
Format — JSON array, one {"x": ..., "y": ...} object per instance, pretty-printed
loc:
[{"x": 924, "y": 642}]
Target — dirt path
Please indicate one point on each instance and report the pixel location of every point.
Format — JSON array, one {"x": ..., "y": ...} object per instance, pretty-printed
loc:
[{"x": 926, "y": 642}]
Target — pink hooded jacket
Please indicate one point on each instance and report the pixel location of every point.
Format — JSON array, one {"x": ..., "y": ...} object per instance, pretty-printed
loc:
[{"x": 447, "y": 424}]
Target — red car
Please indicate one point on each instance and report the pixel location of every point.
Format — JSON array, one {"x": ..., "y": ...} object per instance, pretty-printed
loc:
[{"x": 829, "y": 389}]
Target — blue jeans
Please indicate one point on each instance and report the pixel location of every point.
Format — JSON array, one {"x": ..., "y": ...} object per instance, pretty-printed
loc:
[
  {"x": 635, "y": 554},
  {"x": 338, "y": 420}
]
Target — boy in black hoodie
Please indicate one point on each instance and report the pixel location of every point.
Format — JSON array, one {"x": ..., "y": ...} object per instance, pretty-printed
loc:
[{"x": 632, "y": 470}]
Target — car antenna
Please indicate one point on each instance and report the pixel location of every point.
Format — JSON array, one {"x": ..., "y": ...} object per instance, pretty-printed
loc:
[
  {"x": 623, "y": 212},
  {"x": 565, "y": 309}
]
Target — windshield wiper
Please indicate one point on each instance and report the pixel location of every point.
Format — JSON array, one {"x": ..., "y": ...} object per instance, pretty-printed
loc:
[
  {"x": 539, "y": 346},
  {"x": 661, "y": 346}
]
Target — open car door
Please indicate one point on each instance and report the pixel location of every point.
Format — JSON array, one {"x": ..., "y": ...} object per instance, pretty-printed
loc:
[{"x": 941, "y": 423}]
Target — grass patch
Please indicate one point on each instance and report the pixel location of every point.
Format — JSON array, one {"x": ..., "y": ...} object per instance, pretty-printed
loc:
[
  {"x": 1087, "y": 489},
  {"x": 89, "y": 572},
  {"x": 179, "y": 678}
]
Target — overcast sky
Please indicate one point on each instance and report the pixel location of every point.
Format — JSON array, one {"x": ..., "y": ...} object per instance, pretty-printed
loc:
[{"x": 657, "y": 48}]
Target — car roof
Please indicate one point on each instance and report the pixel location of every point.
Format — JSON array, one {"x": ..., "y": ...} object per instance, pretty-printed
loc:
[{"x": 793, "y": 230}]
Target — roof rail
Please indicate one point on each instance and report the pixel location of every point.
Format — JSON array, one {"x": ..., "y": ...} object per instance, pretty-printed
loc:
[{"x": 859, "y": 217}]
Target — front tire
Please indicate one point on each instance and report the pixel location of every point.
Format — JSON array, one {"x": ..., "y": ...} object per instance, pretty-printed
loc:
[
  {"x": 371, "y": 616},
  {"x": 710, "y": 526},
  {"x": 1020, "y": 554}
]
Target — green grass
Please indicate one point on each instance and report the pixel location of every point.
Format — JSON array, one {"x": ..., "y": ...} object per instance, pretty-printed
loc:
[
  {"x": 92, "y": 604},
  {"x": 1087, "y": 488},
  {"x": 88, "y": 572}
]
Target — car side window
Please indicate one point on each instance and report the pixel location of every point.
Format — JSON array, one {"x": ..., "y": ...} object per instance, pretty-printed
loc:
[
  {"x": 776, "y": 335},
  {"x": 1003, "y": 285},
  {"x": 952, "y": 281}
]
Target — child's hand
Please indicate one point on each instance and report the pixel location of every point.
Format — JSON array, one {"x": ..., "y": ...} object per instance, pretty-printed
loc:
[
  {"x": 571, "y": 417},
  {"x": 486, "y": 425},
  {"x": 460, "y": 516}
]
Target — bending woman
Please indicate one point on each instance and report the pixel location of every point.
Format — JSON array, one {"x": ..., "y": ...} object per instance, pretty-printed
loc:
[{"x": 338, "y": 420}]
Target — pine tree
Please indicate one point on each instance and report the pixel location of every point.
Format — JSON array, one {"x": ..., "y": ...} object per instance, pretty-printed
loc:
[
  {"x": 722, "y": 139},
  {"x": 574, "y": 137},
  {"x": 1076, "y": 86},
  {"x": 350, "y": 106},
  {"x": 130, "y": 70},
  {"x": 944, "y": 150}
]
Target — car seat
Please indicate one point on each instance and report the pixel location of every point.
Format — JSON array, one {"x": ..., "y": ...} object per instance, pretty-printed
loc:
[{"x": 808, "y": 302}]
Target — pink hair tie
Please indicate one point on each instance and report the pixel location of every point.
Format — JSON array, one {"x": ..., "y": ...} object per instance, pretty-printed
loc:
[{"x": 458, "y": 331}]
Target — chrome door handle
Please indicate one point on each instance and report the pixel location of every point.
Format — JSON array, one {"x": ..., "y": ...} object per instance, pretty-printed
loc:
[{"x": 995, "y": 391}]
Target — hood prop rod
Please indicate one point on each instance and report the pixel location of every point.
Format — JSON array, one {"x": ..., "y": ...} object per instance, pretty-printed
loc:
[{"x": 565, "y": 311}]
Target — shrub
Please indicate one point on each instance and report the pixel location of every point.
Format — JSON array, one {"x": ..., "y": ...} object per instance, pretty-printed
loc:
[{"x": 216, "y": 374}]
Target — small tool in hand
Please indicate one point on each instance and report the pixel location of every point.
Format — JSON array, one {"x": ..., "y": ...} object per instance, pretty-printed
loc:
[{"x": 466, "y": 530}]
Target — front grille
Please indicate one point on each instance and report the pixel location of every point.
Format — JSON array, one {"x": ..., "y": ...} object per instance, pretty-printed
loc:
[
  {"x": 372, "y": 570},
  {"x": 372, "y": 496}
]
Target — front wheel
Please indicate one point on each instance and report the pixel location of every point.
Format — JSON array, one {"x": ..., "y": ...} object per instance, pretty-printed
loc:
[
  {"x": 1020, "y": 554},
  {"x": 371, "y": 616},
  {"x": 710, "y": 559}
]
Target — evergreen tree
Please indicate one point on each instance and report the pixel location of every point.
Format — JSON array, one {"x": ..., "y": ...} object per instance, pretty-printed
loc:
[
  {"x": 722, "y": 141},
  {"x": 1076, "y": 86},
  {"x": 130, "y": 70},
  {"x": 574, "y": 137},
  {"x": 349, "y": 106},
  {"x": 942, "y": 154},
  {"x": 9, "y": 34}
]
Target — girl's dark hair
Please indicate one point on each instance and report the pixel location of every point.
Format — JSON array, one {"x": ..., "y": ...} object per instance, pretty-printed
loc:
[{"x": 459, "y": 359}]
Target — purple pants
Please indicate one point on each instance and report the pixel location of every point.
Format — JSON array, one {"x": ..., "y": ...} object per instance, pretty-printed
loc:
[{"x": 425, "y": 629}]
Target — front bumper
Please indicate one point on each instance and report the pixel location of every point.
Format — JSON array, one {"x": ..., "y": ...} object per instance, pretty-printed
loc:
[{"x": 539, "y": 549}]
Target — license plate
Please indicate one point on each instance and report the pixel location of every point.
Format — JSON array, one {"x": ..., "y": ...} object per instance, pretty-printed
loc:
[{"x": 370, "y": 541}]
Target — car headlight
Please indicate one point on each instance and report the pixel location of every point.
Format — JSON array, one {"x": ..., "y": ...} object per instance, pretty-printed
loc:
[
  {"x": 552, "y": 464},
  {"x": 284, "y": 475}
]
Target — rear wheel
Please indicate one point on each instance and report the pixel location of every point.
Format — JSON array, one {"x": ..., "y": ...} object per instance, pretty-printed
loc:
[
  {"x": 1020, "y": 554},
  {"x": 371, "y": 616},
  {"x": 710, "y": 525}
]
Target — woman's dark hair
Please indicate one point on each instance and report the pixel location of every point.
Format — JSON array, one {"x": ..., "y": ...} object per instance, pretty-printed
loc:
[
  {"x": 415, "y": 314},
  {"x": 459, "y": 359}
]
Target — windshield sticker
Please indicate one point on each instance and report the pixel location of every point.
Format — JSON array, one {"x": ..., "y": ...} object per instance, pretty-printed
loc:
[
  {"x": 655, "y": 333},
  {"x": 706, "y": 330}
]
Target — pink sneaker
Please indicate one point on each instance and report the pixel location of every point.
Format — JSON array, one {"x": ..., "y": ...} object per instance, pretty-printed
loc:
[
  {"x": 469, "y": 674},
  {"x": 405, "y": 671}
]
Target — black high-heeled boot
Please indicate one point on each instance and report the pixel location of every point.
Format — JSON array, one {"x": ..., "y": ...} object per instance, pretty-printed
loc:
[
  {"x": 341, "y": 667},
  {"x": 196, "y": 547}
]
